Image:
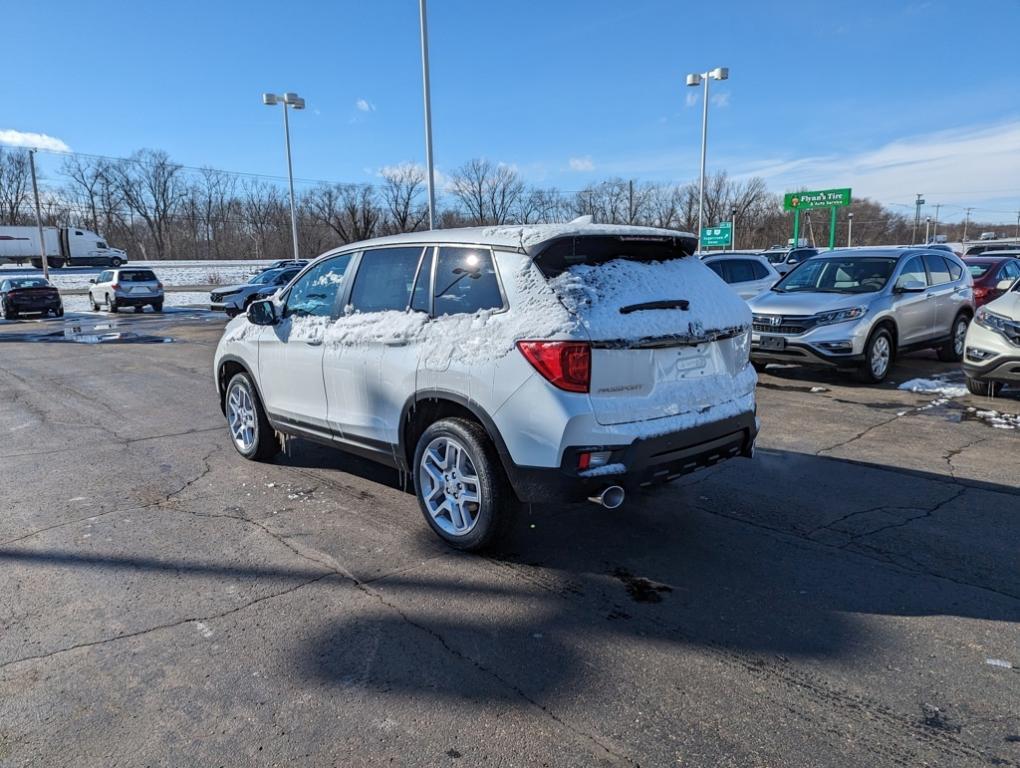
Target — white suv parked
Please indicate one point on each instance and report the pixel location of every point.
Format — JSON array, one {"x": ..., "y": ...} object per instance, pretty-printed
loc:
[{"x": 497, "y": 365}]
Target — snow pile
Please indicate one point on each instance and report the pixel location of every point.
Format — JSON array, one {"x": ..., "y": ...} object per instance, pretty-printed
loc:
[
  {"x": 935, "y": 387},
  {"x": 596, "y": 294},
  {"x": 997, "y": 419}
]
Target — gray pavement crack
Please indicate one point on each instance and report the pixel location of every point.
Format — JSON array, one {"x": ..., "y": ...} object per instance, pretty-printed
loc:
[
  {"x": 856, "y": 437},
  {"x": 167, "y": 625}
]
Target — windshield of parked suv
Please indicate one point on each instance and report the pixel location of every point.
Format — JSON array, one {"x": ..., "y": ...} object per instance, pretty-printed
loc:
[
  {"x": 29, "y": 282},
  {"x": 266, "y": 278},
  {"x": 851, "y": 275},
  {"x": 138, "y": 276}
]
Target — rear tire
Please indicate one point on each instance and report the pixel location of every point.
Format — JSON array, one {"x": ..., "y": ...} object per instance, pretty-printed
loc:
[
  {"x": 111, "y": 302},
  {"x": 9, "y": 314},
  {"x": 157, "y": 307},
  {"x": 250, "y": 431},
  {"x": 460, "y": 484},
  {"x": 139, "y": 309},
  {"x": 952, "y": 350},
  {"x": 879, "y": 353},
  {"x": 115, "y": 262},
  {"x": 58, "y": 312},
  {"x": 983, "y": 387}
]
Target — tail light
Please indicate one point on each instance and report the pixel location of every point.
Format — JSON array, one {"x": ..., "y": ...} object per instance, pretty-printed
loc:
[
  {"x": 564, "y": 364},
  {"x": 115, "y": 286},
  {"x": 980, "y": 293},
  {"x": 159, "y": 285}
]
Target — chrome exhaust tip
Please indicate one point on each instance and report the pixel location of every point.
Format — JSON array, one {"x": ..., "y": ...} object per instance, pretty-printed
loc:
[{"x": 610, "y": 497}]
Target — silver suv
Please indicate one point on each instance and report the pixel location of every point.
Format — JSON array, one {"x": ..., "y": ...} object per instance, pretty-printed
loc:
[
  {"x": 859, "y": 308},
  {"x": 134, "y": 287}
]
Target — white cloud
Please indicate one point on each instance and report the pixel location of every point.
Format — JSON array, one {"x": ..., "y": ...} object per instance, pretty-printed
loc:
[
  {"x": 972, "y": 164},
  {"x": 721, "y": 99},
  {"x": 691, "y": 98},
  {"x": 582, "y": 163},
  {"x": 32, "y": 140},
  {"x": 364, "y": 105}
]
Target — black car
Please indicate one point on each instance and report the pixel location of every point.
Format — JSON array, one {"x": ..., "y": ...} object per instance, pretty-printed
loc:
[
  {"x": 286, "y": 263},
  {"x": 29, "y": 295}
]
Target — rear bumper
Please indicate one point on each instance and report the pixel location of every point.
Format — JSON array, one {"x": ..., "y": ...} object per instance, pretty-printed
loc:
[
  {"x": 34, "y": 305},
  {"x": 132, "y": 300},
  {"x": 645, "y": 462}
]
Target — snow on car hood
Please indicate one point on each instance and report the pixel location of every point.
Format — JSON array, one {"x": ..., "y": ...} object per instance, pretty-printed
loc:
[{"x": 807, "y": 302}]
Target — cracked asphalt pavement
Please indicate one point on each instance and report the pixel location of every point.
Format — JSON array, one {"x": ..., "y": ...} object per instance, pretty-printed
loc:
[{"x": 849, "y": 597}]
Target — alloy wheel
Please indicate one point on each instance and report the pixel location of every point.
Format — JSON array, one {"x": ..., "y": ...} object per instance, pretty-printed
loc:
[
  {"x": 450, "y": 487},
  {"x": 960, "y": 336},
  {"x": 241, "y": 418},
  {"x": 880, "y": 354}
]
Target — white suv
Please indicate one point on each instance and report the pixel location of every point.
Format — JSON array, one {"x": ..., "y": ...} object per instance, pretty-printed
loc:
[{"x": 496, "y": 365}]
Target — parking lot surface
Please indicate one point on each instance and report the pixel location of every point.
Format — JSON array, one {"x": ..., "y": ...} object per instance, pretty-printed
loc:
[{"x": 849, "y": 597}]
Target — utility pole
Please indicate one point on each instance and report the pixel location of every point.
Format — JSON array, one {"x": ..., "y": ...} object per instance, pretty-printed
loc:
[
  {"x": 917, "y": 217},
  {"x": 733, "y": 229},
  {"x": 935, "y": 224},
  {"x": 427, "y": 95},
  {"x": 966, "y": 223},
  {"x": 630, "y": 201},
  {"x": 927, "y": 226},
  {"x": 38, "y": 217},
  {"x": 1018, "y": 225},
  {"x": 849, "y": 229}
]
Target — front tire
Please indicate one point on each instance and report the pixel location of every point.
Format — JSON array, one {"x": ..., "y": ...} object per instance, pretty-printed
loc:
[
  {"x": 983, "y": 387},
  {"x": 461, "y": 486},
  {"x": 250, "y": 431},
  {"x": 952, "y": 350},
  {"x": 878, "y": 356},
  {"x": 93, "y": 305}
]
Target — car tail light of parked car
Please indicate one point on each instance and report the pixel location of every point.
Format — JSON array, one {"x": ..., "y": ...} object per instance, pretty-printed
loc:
[{"x": 564, "y": 364}]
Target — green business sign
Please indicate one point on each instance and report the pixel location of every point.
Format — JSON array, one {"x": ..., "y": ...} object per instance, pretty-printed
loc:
[
  {"x": 825, "y": 198},
  {"x": 720, "y": 234}
]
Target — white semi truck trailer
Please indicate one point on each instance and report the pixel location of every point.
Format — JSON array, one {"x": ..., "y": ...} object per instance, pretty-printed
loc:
[{"x": 65, "y": 247}]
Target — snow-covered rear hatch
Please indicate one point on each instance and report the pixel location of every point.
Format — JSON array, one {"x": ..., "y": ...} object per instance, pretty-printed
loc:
[{"x": 668, "y": 336}]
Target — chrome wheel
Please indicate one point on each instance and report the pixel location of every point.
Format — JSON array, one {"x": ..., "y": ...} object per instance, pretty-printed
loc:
[
  {"x": 449, "y": 485},
  {"x": 241, "y": 418},
  {"x": 881, "y": 351},
  {"x": 960, "y": 336}
]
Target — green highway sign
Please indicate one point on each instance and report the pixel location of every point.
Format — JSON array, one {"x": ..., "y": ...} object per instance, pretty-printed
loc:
[
  {"x": 825, "y": 198},
  {"x": 720, "y": 234}
]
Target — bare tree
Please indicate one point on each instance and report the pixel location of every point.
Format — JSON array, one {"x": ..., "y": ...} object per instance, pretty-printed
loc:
[
  {"x": 153, "y": 189},
  {"x": 401, "y": 193},
  {"x": 15, "y": 185},
  {"x": 350, "y": 210},
  {"x": 487, "y": 192}
]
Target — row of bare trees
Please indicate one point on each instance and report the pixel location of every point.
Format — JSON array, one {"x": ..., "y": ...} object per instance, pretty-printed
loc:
[{"x": 158, "y": 209}]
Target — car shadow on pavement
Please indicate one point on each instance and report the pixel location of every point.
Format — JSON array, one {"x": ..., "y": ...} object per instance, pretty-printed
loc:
[{"x": 718, "y": 561}]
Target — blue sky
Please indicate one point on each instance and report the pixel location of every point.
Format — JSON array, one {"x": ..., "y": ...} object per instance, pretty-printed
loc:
[{"x": 891, "y": 98}]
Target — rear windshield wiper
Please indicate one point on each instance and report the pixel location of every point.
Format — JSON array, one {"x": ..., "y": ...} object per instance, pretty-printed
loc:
[{"x": 665, "y": 304}]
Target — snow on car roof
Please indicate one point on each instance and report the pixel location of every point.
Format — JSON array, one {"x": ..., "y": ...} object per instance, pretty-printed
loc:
[{"x": 518, "y": 237}]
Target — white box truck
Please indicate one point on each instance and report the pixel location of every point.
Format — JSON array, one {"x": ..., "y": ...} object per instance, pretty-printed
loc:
[{"x": 65, "y": 247}]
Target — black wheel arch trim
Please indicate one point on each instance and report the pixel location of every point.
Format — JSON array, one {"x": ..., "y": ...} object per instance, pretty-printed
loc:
[{"x": 221, "y": 385}]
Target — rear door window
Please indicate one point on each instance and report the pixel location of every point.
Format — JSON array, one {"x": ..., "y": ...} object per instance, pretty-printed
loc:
[
  {"x": 913, "y": 271},
  {"x": 741, "y": 271},
  {"x": 937, "y": 269},
  {"x": 384, "y": 279},
  {"x": 717, "y": 267},
  {"x": 465, "y": 282}
]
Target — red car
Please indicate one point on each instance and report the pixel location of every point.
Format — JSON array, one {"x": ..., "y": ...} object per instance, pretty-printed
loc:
[{"x": 989, "y": 271}]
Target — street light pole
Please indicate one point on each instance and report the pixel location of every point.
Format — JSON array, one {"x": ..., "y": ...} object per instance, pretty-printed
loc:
[
  {"x": 849, "y": 229},
  {"x": 935, "y": 223},
  {"x": 927, "y": 224},
  {"x": 917, "y": 218},
  {"x": 427, "y": 94},
  {"x": 695, "y": 79},
  {"x": 966, "y": 224},
  {"x": 288, "y": 99},
  {"x": 38, "y": 217},
  {"x": 733, "y": 229}
]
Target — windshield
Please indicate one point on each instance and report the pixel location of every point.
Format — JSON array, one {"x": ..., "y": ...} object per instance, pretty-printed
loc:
[
  {"x": 266, "y": 278},
  {"x": 29, "y": 282},
  {"x": 775, "y": 257},
  {"x": 857, "y": 275},
  {"x": 556, "y": 256}
]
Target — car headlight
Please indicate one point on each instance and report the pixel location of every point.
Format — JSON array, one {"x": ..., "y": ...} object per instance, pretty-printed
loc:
[
  {"x": 991, "y": 320},
  {"x": 840, "y": 315}
]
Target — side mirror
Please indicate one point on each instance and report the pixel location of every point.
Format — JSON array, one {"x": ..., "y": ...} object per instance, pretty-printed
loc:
[
  {"x": 92, "y": 280},
  {"x": 262, "y": 313},
  {"x": 909, "y": 286},
  {"x": 1004, "y": 285}
]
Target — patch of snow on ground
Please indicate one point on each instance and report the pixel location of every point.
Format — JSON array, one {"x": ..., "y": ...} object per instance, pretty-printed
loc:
[{"x": 934, "y": 387}]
